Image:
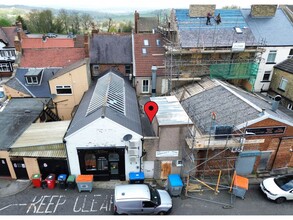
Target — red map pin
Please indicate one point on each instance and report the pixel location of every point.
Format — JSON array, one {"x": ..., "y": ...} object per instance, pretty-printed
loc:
[{"x": 151, "y": 108}]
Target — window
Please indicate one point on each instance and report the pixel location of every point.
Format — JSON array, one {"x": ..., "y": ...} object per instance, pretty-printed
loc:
[
  {"x": 290, "y": 54},
  {"x": 144, "y": 51},
  {"x": 158, "y": 42},
  {"x": 148, "y": 204},
  {"x": 63, "y": 90},
  {"x": 4, "y": 67},
  {"x": 146, "y": 42},
  {"x": 283, "y": 84},
  {"x": 90, "y": 162},
  {"x": 266, "y": 76},
  {"x": 290, "y": 106},
  {"x": 272, "y": 56},
  {"x": 145, "y": 86},
  {"x": 32, "y": 80},
  {"x": 127, "y": 69},
  {"x": 102, "y": 163},
  {"x": 7, "y": 53}
]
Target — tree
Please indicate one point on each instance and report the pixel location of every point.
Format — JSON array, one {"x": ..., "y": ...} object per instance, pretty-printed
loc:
[
  {"x": 86, "y": 22},
  {"x": 4, "y": 22},
  {"x": 110, "y": 24},
  {"x": 22, "y": 21},
  {"x": 74, "y": 22},
  {"x": 64, "y": 18}
]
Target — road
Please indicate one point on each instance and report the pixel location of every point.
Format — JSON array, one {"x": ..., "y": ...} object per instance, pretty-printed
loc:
[{"x": 38, "y": 201}]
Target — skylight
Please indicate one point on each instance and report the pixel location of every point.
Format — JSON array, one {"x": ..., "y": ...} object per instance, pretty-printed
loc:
[{"x": 109, "y": 91}]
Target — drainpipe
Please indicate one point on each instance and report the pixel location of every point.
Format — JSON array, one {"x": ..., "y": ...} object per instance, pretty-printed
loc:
[
  {"x": 154, "y": 80},
  {"x": 280, "y": 138},
  {"x": 142, "y": 155}
]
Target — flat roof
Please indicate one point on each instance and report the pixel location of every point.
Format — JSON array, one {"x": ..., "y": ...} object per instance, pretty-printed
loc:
[{"x": 170, "y": 111}]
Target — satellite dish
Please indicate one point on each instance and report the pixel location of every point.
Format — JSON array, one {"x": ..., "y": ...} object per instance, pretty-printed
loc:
[{"x": 127, "y": 137}]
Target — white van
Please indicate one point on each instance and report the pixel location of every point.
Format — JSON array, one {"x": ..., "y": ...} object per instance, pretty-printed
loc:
[{"x": 141, "y": 199}]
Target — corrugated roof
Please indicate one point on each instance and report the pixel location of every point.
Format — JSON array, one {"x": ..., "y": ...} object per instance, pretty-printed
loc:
[
  {"x": 286, "y": 65},
  {"x": 48, "y": 151},
  {"x": 276, "y": 31},
  {"x": 111, "y": 49},
  {"x": 39, "y": 134},
  {"x": 170, "y": 111}
]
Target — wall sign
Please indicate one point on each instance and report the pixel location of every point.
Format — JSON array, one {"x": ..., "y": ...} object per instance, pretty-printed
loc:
[
  {"x": 266, "y": 130},
  {"x": 172, "y": 153}
]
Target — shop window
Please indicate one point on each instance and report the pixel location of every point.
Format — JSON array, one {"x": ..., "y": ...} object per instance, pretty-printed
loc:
[
  {"x": 113, "y": 157},
  {"x": 102, "y": 163},
  {"x": 90, "y": 162}
]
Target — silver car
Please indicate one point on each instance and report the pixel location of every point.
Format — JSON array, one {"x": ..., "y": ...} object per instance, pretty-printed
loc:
[{"x": 141, "y": 199}]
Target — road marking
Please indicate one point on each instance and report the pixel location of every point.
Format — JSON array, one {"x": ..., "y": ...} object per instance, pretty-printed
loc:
[{"x": 5, "y": 207}]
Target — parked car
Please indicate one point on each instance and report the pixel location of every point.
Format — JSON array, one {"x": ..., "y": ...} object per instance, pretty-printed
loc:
[
  {"x": 278, "y": 189},
  {"x": 51, "y": 35},
  {"x": 141, "y": 199}
]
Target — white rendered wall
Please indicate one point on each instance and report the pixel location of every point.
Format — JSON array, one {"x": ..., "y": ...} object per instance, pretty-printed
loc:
[
  {"x": 282, "y": 54},
  {"x": 102, "y": 133}
]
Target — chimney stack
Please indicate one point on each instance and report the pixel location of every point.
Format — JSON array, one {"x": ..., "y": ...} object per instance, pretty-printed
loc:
[
  {"x": 86, "y": 45},
  {"x": 136, "y": 17}
]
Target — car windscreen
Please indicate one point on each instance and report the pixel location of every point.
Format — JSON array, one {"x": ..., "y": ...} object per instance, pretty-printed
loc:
[
  {"x": 284, "y": 182},
  {"x": 155, "y": 196}
]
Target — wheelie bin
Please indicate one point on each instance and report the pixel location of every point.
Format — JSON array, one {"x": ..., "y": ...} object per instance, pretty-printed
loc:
[
  {"x": 51, "y": 181},
  {"x": 37, "y": 180},
  {"x": 71, "y": 182},
  {"x": 62, "y": 181}
]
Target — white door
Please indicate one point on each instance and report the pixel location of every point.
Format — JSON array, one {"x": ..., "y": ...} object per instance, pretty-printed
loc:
[{"x": 148, "y": 169}]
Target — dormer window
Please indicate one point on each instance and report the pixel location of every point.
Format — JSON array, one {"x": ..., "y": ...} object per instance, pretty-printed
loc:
[{"x": 34, "y": 76}]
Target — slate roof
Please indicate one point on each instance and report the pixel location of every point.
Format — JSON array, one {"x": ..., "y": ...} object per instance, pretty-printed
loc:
[
  {"x": 7, "y": 34},
  {"x": 193, "y": 31},
  {"x": 84, "y": 116},
  {"x": 111, "y": 49},
  {"x": 233, "y": 106},
  {"x": 277, "y": 30},
  {"x": 286, "y": 65},
  {"x": 17, "y": 116},
  {"x": 147, "y": 24},
  {"x": 50, "y": 57},
  {"x": 18, "y": 83},
  {"x": 144, "y": 62}
]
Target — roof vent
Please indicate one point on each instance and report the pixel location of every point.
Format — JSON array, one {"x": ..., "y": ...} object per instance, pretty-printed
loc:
[
  {"x": 276, "y": 102},
  {"x": 238, "y": 30}
]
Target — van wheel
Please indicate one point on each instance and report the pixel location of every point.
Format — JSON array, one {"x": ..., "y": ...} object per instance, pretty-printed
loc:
[
  {"x": 162, "y": 213},
  {"x": 280, "y": 200}
]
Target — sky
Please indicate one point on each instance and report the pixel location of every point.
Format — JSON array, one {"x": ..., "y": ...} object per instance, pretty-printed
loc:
[{"x": 139, "y": 5}]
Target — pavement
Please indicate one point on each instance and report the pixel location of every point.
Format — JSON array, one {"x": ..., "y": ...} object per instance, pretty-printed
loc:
[{"x": 9, "y": 187}]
